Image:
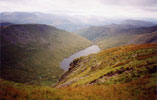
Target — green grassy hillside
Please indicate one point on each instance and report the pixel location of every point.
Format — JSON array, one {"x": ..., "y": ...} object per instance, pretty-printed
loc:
[
  {"x": 91, "y": 33},
  {"x": 31, "y": 53},
  {"x": 122, "y": 73},
  {"x": 126, "y": 39},
  {"x": 116, "y": 65},
  {"x": 117, "y": 35}
]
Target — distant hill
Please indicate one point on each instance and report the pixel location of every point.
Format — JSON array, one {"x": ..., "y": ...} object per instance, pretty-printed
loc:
[
  {"x": 92, "y": 32},
  {"x": 61, "y": 21},
  {"x": 66, "y": 22},
  {"x": 31, "y": 53},
  {"x": 5, "y": 23},
  {"x": 145, "y": 38},
  {"x": 128, "y": 36},
  {"x": 112, "y": 66},
  {"x": 137, "y": 23},
  {"x": 119, "y": 34}
]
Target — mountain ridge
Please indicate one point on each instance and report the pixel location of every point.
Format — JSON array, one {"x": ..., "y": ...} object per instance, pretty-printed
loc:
[
  {"x": 31, "y": 53},
  {"x": 117, "y": 35}
]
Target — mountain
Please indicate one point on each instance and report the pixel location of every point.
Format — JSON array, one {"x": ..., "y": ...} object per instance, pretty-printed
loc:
[
  {"x": 5, "y": 24},
  {"x": 66, "y": 22},
  {"x": 61, "y": 21},
  {"x": 137, "y": 23},
  {"x": 112, "y": 66},
  {"x": 31, "y": 53},
  {"x": 122, "y": 73},
  {"x": 119, "y": 34},
  {"x": 92, "y": 32},
  {"x": 145, "y": 38},
  {"x": 128, "y": 36}
]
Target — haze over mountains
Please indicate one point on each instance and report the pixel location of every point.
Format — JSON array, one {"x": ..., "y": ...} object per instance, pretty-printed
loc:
[
  {"x": 66, "y": 22},
  {"x": 137, "y": 23},
  {"x": 61, "y": 21}
]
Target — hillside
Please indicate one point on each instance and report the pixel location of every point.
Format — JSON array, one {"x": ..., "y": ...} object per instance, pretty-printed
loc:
[
  {"x": 132, "y": 37},
  {"x": 137, "y": 23},
  {"x": 122, "y": 73},
  {"x": 5, "y": 24},
  {"x": 116, "y": 65},
  {"x": 95, "y": 32},
  {"x": 92, "y": 32},
  {"x": 61, "y": 21},
  {"x": 117, "y": 35},
  {"x": 31, "y": 53}
]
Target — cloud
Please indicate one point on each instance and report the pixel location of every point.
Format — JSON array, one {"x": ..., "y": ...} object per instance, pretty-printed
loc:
[
  {"x": 106, "y": 8},
  {"x": 137, "y": 3},
  {"x": 147, "y": 5}
]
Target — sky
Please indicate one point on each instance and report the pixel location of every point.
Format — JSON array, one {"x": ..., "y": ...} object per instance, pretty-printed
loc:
[{"x": 103, "y": 8}]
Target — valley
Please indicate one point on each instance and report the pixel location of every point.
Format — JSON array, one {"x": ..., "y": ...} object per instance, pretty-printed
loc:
[
  {"x": 126, "y": 72},
  {"x": 78, "y": 49},
  {"x": 42, "y": 62}
]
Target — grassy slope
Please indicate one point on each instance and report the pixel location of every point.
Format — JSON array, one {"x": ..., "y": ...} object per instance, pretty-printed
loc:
[
  {"x": 32, "y": 53},
  {"x": 92, "y": 32},
  {"x": 117, "y": 35},
  {"x": 139, "y": 83},
  {"x": 115, "y": 65},
  {"x": 122, "y": 39}
]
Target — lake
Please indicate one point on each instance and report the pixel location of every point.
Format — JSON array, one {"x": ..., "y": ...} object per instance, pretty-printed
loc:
[{"x": 92, "y": 49}]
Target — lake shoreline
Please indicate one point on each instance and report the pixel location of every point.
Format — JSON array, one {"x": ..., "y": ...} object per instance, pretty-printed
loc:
[{"x": 89, "y": 50}]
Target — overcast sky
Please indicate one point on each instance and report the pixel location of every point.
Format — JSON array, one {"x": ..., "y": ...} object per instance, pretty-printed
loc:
[{"x": 105, "y": 8}]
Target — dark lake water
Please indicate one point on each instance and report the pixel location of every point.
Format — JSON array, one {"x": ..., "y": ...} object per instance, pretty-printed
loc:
[{"x": 92, "y": 49}]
